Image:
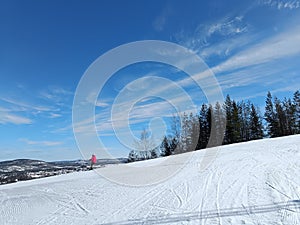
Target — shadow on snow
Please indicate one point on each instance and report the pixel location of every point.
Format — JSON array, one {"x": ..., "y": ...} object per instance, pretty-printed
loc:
[{"x": 189, "y": 216}]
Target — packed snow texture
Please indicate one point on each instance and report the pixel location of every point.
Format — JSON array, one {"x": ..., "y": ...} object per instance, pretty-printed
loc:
[{"x": 247, "y": 183}]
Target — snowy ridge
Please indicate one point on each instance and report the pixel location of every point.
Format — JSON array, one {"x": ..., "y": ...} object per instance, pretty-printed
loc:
[{"x": 256, "y": 182}]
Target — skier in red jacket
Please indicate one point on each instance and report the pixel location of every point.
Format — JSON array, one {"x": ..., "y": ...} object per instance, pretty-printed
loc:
[{"x": 93, "y": 161}]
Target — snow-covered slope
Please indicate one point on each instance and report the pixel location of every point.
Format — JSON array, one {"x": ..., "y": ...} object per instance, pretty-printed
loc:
[{"x": 248, "y": 183}]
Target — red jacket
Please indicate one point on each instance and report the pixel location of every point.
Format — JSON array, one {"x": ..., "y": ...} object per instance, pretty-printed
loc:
[{"x": 93, "y": 159}]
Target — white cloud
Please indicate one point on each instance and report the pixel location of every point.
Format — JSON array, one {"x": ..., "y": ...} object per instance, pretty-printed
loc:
[
  {"x": 25, "y": 106},
  {"x": 52, "y": 93},
  {"x": 55, "y": 115},
  {"x": 283, "y": 45},
  {"x": 282, "y": 4},
  {"x": 257, "y": 60},
  {"x": 40, "y": 143},
  {"x": 161, "y": 20},
  {"x": 6, "y": 117},
  {"x": 202, "y": 37},
  {"x": 226, "y": 27},
  {"x": 267, "y": 51},
  {"x": 57, "y": 97},
  {"x": 226, "y": 47}
]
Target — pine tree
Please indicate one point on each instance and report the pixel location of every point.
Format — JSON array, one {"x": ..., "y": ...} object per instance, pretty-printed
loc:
[
  {"x": 195, "y": 130},
  {"x": 229, "y": 121},
  {"x": 290, "y": 116},
  {"x": 185, "y": 138},
  {"x": 209, "y": 121},
  {"x": 244, "y": 114},
  {"x": 256, "y": 127},
  {"x": 280, "y": 118},
  {"x": 296, "y": 102},
  {"x": 271, "y": 117},
  {"x": 173, "y": 145},
  {"x": 220, "y": 124},
  {"x": 204, "y": 127},
  {"x": 165, "y": 147},
  {"x": 154, "y": 153},
  {"x": 236, "y": 123},
  {"x": 132, "y": 157}
]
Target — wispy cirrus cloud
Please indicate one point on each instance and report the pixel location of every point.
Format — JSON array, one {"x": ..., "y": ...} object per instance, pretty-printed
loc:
[
  {"x": 24, "y": 106},
  {"x": 55, "y": 115},
  {"x": 54, "y": 92},
  {"x": 227, "y": 47},
  {"x": 7, "y": 117},
  {"x": 161, "y": 20},
  {"x": 281, "y": 4},
  {"x": 225, "y": 27},
  {"x": 40, "y": 143},
  {"x": 57, "y": 96},
  {"x": 99, "y": 102},
  {"x": 205, "y": 35},
  {"x": 19, "y": 111},
  {"x": 256, "y": 61},
  {"x": 285, "y": 44}
]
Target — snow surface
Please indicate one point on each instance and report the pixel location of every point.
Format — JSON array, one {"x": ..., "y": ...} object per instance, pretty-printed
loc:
[{"x": 256, "y": 182}]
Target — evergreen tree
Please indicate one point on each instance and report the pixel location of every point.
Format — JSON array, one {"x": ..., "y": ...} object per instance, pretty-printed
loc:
[
  {"x": 165, "y": 147},
  {"x": 132, "y": 157},
  {"x": 176, "y": 146},
  {"x": 204, "y": 127},
  {"x": 280, "y": 118},
  {"x": 296, "y": 101},
  {"x": 244, "y": 114},
  {"x": 219, "y": 125},
  {"x": 271, "y": 117},
  {"x": 256, "y": 127},
  {"x": 290, "y": 116},
  {"x": 154, "y": 153},
  {"x": 209, "y": 121},
  {"x": 229, "y": 121},
  {"x": 195, "y": 129},
  {"x": 173, "y": 145},
  {"x": 236, "y": 124},
  {"x": 186, "y": 139}
]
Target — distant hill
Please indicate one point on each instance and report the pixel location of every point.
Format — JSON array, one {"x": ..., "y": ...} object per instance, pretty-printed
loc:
[{"x": 26, "y": 169}]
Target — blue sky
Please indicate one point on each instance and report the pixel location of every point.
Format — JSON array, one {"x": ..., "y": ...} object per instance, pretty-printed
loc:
[{"x": 46, "y": 46}]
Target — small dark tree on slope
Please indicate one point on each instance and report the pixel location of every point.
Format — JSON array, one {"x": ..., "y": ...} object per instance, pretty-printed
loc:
[
  {"x": 173, "y": 144},
  {"x": 132, "y": 157},
  {"x": 154, "y": 153},
  {"x": 165, "y": 147}
]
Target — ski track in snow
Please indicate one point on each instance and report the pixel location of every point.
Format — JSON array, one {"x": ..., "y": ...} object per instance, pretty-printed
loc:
[{"x": 248, "y": 183}]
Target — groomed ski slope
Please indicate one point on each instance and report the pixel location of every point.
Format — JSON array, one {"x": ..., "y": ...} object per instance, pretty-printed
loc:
[{"x": 248, "y": 183}]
